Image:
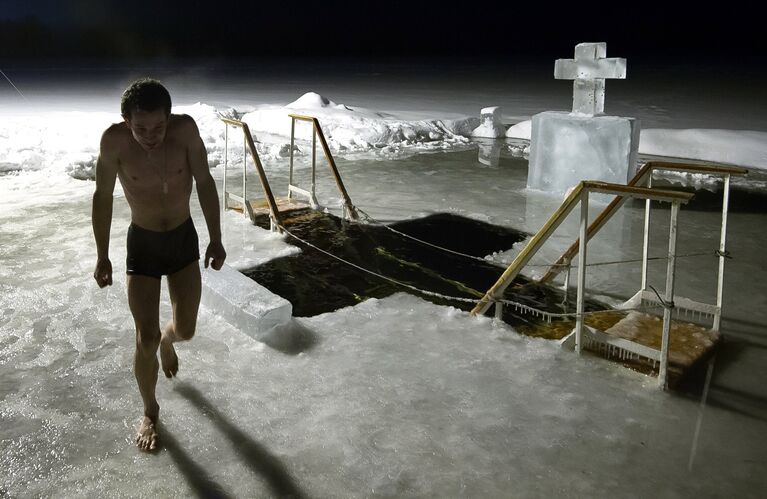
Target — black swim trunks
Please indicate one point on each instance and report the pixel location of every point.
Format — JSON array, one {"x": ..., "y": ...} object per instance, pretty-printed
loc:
[{"x": 156, "y": 254}]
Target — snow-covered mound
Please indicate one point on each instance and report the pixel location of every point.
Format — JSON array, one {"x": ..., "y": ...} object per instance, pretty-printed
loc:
[
  {"x": 521, "y": 130},
  {"x": 69, "y": 141},
  {"x": 356, "y": 129},
  {"x": 313, "y": 100}
]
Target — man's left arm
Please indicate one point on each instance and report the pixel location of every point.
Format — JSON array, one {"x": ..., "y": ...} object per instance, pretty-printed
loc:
[{"x": 206, "y": 192}]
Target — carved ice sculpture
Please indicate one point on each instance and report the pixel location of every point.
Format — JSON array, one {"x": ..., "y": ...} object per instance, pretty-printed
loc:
[
  {"x": 588, "y": 71},
  {"x": 566, "y": 148}
]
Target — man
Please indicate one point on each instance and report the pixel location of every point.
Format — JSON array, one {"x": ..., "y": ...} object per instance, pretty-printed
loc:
[{"x": 156, "y": 155}]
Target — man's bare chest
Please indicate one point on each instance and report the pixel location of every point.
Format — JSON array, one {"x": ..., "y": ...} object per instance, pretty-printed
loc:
[{"x": 161, "y": 172}]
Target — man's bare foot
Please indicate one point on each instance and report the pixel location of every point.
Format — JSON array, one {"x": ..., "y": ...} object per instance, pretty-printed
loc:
[
  {"x": 168, "y": 358},
  {"x": 147, "y": 437}
]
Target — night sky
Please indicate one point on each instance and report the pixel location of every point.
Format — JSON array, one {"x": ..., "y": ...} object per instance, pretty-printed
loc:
[{"x": 140, "y": 29}]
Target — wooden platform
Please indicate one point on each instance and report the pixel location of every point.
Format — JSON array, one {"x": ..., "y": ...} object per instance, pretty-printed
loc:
[
  {"x": 689, "y": 343},
  {"x": 289, "y": 209},
  {"x": 262, "y": 206}
]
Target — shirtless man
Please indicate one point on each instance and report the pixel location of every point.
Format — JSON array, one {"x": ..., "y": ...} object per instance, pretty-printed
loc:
[{"x": 156, "y": 155}]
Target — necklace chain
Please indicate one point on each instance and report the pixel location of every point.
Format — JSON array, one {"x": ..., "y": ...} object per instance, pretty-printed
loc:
[{"x": 164, "y": 175}]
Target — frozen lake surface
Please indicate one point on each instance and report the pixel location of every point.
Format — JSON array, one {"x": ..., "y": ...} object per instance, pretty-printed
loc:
[{"x": 394, "y": 397}]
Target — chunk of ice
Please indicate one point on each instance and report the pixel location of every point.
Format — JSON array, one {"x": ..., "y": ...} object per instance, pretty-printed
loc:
[
  {"x": 588, "y": 71},
  {"x": 242, "y": 302},
  {"x": 490, "y": 126},
  {"x": 566, "y": 149}
]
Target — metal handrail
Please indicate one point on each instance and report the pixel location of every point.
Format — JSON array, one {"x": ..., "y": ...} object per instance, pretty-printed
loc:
[
  {"x": 317, "y": 132},
  {"x": 643, "y": 177},
  {"x": 580, "y": 194},
  {"x": 273, "y": 211},
  {"x": 558, "y": 217}
]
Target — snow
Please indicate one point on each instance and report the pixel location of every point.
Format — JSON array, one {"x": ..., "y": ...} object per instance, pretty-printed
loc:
[
  {"x": 390, "y": 398},
  {"x": 521, "y": 130},
  {"x": 359, "y": 130},
  {"x": 746, "y": 148},
  {"x": 491, "y": 126},
  {"x": 735, "y": 147},
  {"x": 67, "y": 141}
]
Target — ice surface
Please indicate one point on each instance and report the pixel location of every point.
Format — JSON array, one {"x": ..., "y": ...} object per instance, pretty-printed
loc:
[
  {"x": 566, "y": 149},
  {"x": 491, "y": 126},
  {"x": 242, "y": 302},
  {"x": 588, "y": 71}
]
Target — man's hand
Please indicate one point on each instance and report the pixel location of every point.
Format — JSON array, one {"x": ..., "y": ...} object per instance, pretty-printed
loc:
[
  {"x": 215, "y": 255},
  {"x": 103, "y": 273}
]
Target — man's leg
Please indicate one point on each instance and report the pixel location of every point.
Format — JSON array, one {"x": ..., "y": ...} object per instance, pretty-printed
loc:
[
  {"x": 144, "y": 301},
  {"x": 184, "y": 288}
]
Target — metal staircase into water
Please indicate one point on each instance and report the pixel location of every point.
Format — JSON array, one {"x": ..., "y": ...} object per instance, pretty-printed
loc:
[
  {"x": 622, "y": 337},
  {"x": 644, "y": 178},
  {"x": 276, "y": 207}
]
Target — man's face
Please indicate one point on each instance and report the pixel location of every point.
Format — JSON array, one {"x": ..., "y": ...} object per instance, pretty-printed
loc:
[{"x": 148, "y": 127}]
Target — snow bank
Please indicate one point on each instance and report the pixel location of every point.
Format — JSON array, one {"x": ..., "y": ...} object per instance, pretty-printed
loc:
[
  {"x": 746, "y": 148},
  {"x": 739, "y": 147},
  {"x": 359, "y": 130},
  {"x": 521, "y": 130},
  {"x": 62, "y": 141},
  {"x": 67, "y": 142}
]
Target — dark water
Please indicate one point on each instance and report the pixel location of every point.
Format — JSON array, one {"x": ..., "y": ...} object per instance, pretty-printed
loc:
[{"x": 316, "y": 283}]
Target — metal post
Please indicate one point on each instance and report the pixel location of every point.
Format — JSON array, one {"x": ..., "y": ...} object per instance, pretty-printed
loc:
[
  {"x": 722, "y": 249},
  {"x": 499, "y": 310},
  {"x": 292, "y": 141},
  {"x": 226, "y": 161},
  {"x": 646, "y": 237},
  {"x": 244, "y": 172},
  {"x": 581, "y": 270},
  {"x": 314, "y": 156},
  {"x": 669, "y": 297}
]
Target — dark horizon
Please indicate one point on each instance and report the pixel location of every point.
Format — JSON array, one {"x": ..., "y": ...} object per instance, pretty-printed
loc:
[{"x": 140, "y": 31}]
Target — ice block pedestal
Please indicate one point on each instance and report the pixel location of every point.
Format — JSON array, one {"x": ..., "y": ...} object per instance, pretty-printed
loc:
[
  {"x": 491, "y": 126},
  {"x": 242, "y": 302},
  {"x": 566, "y": 148}
]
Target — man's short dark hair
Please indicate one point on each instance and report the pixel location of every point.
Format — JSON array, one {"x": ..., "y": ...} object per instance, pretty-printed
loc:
[{"x": 146, "y": 94}]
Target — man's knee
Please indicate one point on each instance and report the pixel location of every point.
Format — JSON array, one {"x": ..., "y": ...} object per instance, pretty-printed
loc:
[
  {"x": 147, "y": 338},
  {"x": 184, "y": 330}
]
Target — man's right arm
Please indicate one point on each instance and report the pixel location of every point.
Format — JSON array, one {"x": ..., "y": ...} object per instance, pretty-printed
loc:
[{"x": 106, "y": 175}]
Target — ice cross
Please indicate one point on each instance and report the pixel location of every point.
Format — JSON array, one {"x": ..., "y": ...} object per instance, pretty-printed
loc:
[{"x": 589, "y": 70}]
